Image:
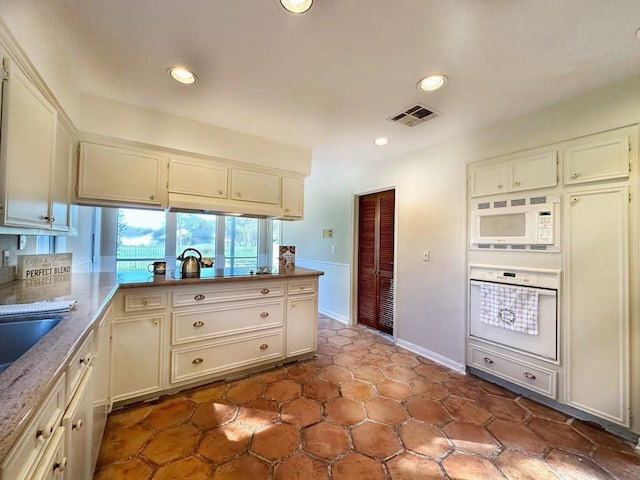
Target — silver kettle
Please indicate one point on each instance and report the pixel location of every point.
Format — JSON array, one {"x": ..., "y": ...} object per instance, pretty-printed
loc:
[{"x": 190, "y": 264}]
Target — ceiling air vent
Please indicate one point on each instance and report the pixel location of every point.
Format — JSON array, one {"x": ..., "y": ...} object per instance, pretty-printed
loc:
[{"x": 413, "y": 116}]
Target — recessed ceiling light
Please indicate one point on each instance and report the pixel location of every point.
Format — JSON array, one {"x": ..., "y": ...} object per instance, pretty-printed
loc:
[
  {"x": 432, "y": 82},
  {"x": 381, "y": 141},
  {"x": 182, "y": 75},
  {"x": 296, "y": 6}
]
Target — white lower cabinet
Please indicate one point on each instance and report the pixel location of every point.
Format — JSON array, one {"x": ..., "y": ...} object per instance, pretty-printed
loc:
[
  {"x": 136, "y": 356},
  {"x": 102, "y": 367},
  {"x": 78, "y": 425},
  {"x": 597, "y": 311},
  {"x": 54, "y": 463},
  {"x": 42, "y": 440}
]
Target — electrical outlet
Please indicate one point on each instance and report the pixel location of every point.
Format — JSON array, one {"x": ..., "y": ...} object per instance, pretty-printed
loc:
[
  {"x": 333, "y": 249},
  {"x": 6, "y": 257},
  {"x": 426, "y": 255}
]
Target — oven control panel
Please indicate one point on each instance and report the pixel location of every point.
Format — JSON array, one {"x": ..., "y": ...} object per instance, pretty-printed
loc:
[{"x": 516, "y": 276}]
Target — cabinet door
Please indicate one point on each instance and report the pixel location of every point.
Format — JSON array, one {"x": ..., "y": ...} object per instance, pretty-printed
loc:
[
  {"x": 488, "y": 180},
  {"x": 535, "y": 171},
  {"x": 121, "y": 176},
  {"x": 599, "y": 157},
  {"x": 292, "y": 197},
  {"x": 78, "y": 424},
  {"x": 27, "y": 151},
  {"x": 101, "y": 398},
  {"x": 302, "y": 328},
  {"x": 136, "y": 356},
  {"x": 61, "y": 175},
  {"x": 258, "y": 187},
  {"x": 197, "y": 177},
  {"x": 597, "y": 353}
]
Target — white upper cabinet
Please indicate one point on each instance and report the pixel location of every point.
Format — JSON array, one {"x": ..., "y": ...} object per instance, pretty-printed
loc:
[
  {"x": 61, "y": 180},
  {"x": 524, "y": 171},
  {"x": 193, "y": 176},
  {"x": 488, "y": 180},
  {"x": 598, "y": 157},
  {"x": 28, "y": 153},
  {"x": 292, "y": 197},
  {"x": 120, "y": 176},
  {"x": 535, "y": 171},
  {"x": 250, "y": 186}
]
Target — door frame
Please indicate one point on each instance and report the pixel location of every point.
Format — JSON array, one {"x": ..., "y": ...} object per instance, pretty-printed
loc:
[{"x": 354, "y": 250}]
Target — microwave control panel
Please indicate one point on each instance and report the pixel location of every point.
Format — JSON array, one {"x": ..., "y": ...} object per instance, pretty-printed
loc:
[{"x": 545, "y": 227}]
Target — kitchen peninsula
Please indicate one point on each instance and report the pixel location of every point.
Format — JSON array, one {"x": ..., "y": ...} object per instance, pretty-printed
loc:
[{"x": 145, "y": 335}]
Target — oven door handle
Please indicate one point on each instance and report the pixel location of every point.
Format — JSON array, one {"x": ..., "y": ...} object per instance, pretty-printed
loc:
[{"x": 540, "y": 290}]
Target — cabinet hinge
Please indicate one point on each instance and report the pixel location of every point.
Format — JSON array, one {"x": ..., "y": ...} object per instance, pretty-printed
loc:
[
  {"x": 5, "y": 73},
  {"x": 629, "y": 196},
  {"x": 630, "y": 416}
]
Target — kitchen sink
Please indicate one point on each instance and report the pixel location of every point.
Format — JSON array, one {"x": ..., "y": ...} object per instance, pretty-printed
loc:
[{"x": 16, "y": 337}]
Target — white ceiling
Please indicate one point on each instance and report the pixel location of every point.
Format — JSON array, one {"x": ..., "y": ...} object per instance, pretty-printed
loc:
[{"x": 328, "y": 79}]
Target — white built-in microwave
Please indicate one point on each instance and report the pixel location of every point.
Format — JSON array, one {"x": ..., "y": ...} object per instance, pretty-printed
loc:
[{"x": 503, "y": 224}]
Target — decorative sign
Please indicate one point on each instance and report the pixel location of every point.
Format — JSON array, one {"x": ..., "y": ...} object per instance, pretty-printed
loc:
[
  {"x": 287, "y": 258},
  {"x": 37, "y": 266}
]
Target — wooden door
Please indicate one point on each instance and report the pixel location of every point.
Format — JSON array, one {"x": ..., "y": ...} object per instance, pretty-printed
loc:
[{"x": 375, "y": 260}]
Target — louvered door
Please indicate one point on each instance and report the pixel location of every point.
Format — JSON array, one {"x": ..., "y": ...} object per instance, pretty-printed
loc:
[{"x": 375, "y": 260}]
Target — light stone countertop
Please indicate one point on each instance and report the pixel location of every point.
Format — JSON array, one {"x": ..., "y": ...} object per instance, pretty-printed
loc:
[{"x": 25, "y": 384}]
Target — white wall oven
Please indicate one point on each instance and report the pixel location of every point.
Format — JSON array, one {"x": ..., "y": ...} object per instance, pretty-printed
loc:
[{"x": 516, "y": 309}]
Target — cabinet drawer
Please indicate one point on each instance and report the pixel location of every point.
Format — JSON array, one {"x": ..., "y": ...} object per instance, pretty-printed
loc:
[
  {"x": 532, "y": 377},
  {"x": 78, "y": 365},
  {"x": 302, "y": 286},
  {"x": 135, "y": 302},
  {"x": 26, "y": 454},
  {"x": 226, "y": 319},
  {"x": 190, "y": 363},
  {"x": 223, "y": 293}
]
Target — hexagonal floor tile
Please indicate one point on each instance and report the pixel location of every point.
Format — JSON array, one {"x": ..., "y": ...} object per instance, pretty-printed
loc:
[
  {"x": 173, "y": 443},
  {"x": 385, "y": 410},
  {"x": 214, "y": 414},
  {"x": 301, "y": 467},
  {"x": 375, "y": 440},
  {"x": 357, "y": 390},
  {"x": 573, "y": 466},
  {"x": 394, "y": 389},
  {"x": 517, "y": 465},
  {"x": 303, "y": 373},
  {"x": 224, "y": 443},
  {"x": 369, "y": 373},
  {"x": 244, "y": 391},
  {"x": 505, "y": 408},
  {"x": 346, "y": 360},
  {"x": 517, "y": 437},
  {"x": 283, "y": 390},
  {"x": 246, "y": 466},
  {"x": 561, "y": 435},
  {"x": 344, "y": 411},
  {"x": 409, "y": 466},
  {"x": 424, "y": 439},
  {"x": 325, "y": 440},
  {"x": 466, "y": 410},
  {"x": 427, "y": 388},
  {"x": 133, "y": 468},
  {"x": 169, "y": 413},
  {"x": 427, "y": 410},
  {"x": 122, "y": 443},
  {"x": 355, "y": 466},
  {"x": 190, "y": 467},
  {"x": 301, "y": 412},
  {"x": 462, "y": 465},
  {"x": 258, "y": 413},
  {"x": 321, "y": 390},
  {"x": 275, "y": 441},
  {"x": 472, "y": 438},
  {"x": 208, "y": 393},
  {"x": 335, "y": 374}
]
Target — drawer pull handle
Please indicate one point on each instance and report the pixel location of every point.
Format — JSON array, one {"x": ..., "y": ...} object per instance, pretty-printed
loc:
[
  {"x": 575, "y": 175},
  {"x": 487, "y": 360},
  {"x": 61, "y": 465},
  {"x": 517, "y": 183},
  {"x": 264, "y": 291},
  {"x": 45, "y": 433},
  {"x": 197, "y": 361},
  {"x": 86, "y": 360},
  {"x": 264, "y": 314},
  {"x": 145, "y": 302},
  {"x": 77, "y": 425},
  {"x": 264, "y": 346},
  {"x": 301, "y": 287},
  {"x": 529, "y": 375},
  {"x": 198, "y": 324},
  {"x": 199, "y": 297},
  {"x": 499, "y": 185}
]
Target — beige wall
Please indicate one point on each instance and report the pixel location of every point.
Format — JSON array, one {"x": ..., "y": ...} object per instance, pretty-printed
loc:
[{"x": 431, "y": 296}]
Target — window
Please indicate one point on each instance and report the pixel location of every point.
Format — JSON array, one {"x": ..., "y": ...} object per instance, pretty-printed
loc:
[{"x": 144, "y": 236}]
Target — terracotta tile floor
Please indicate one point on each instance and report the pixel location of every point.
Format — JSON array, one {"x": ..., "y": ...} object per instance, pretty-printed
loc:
[{"x": 361, "y": 409}]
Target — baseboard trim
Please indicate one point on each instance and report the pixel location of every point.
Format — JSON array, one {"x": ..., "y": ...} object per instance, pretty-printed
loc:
[
  {"x": 436, "y": 357},
  {"x": 334, "y": 316}
]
